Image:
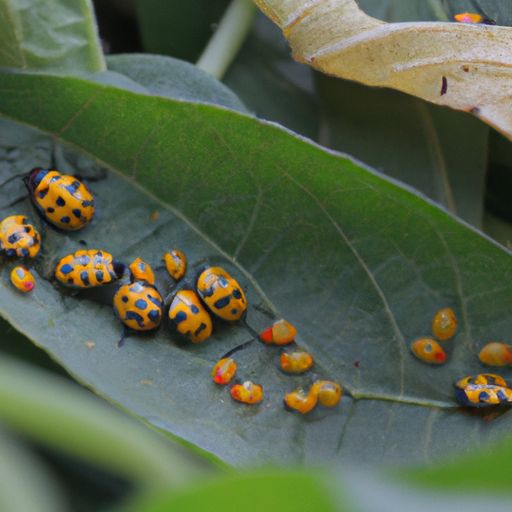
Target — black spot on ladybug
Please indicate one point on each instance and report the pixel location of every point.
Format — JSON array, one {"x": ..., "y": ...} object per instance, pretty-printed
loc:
[
  {"x": 180, "y": 317},
  {"x": 141, "y": 304},
  {"x": 42, "y": 193},
  {"x": 84, "y": 276},
  {"x": 77, "y": 213},
  {"x": 60, "y": 201},
  {"x": 154, "y": 315},
  {"x": 222, "y": 303}
]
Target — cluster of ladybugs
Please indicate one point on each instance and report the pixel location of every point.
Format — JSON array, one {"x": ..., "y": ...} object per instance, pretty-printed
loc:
[
  {"x": 482, "y": 390},
  {"x": 66, "y": 203}
]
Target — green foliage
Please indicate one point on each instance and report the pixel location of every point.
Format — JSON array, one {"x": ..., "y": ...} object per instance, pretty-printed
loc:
[
  {"x": 55, "y": 35},
  {"x": 283, "y": 490},
  {"x": 401, "y": 268},
  {"x": 358, "y": 262}
]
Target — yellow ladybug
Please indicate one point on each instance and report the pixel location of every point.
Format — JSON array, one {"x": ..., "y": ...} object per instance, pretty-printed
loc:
[
  {"x": 175, "y": 263},
  {"x": 139, "y": 306},
  {"x": 88, "y": 268},
  {"x": 189, "y": 317},
  {"x": 482, "y": 378},
  {"x": 62, "y": 200},
  {"x": 22, "y": 279},
  {"x": 19, "y": 238},
  {"x": 483, "y": 395},
  {"x": 221, "y": 293}
]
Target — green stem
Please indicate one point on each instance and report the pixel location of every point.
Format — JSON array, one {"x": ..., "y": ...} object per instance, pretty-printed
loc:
[
  {"x": 438, "y": 9},
  {"x": 54, "y": 412},
  {"x": 228, "y": 38}
]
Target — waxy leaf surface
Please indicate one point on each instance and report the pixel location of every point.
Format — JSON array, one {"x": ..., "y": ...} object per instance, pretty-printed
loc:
[{"x": 356, "y": 262}]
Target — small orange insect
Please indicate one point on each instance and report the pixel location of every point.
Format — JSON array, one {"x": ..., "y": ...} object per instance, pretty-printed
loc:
[
  {"x": 297, "y": 361},
  {"x": 429, "y": 351},
  {"x": 496, "y": 354},
  {"x": 224, "y": 371},
  {"x": 175, "y": 263},
  {"x": 22, "y": 279},
  {"x": 247, "y": 393},
  {"x": 280, "y": 333},
  {"x": 444, "y": 324},
  {"x": 328, "y": 392},
  {"x": 473, "y": 17},
  {"x": 300, "y": 401},
  {"x": 142, "y": 271}
]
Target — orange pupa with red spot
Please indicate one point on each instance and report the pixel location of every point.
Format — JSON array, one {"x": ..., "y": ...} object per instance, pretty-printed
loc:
[
  {"x": 429, "y": 351},
  {"x": 247, "y": 393},
  {"x": 280, "y": 332},
  {"x": 22, "y": 279},
  {"x": 224, "y": 371}
]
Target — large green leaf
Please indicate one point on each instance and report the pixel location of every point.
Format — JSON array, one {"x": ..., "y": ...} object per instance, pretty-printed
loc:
[
  {"x": 438, "y": 151},
  {"x": 173, "y": 78},
  {"x": 55, "y": 35},
  {"x": 357, "y": 262}
]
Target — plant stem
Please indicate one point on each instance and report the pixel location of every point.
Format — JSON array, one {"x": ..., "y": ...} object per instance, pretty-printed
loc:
[
  {"x": 228, "y": 38},
  {"x": 438, "y": 10},
  {"x": 53, "y": 411}
]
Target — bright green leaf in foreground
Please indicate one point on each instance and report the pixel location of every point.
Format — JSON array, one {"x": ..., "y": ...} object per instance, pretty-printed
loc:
[
  {"x": 59, "y": 414},
  {"x": 359, "y": 264},
  {"x": 286, "y": 491}
]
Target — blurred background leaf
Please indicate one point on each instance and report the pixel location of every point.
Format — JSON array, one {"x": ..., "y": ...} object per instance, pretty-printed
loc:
[
  {"x": 57, "y": 35},
  {"x": 440, "y": 152}
]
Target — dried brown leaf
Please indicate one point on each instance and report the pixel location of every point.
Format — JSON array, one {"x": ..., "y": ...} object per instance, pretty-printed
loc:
[{"x": 463, "y": 66}]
